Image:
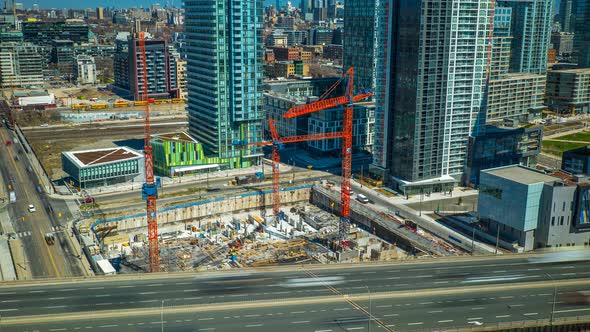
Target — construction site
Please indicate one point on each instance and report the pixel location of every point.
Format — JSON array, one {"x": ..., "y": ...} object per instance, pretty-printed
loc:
[{"x": 281, "y": 225}]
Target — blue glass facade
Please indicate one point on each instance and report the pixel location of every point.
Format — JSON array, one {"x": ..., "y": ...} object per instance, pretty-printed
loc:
[{"x": 224, "y": 77}]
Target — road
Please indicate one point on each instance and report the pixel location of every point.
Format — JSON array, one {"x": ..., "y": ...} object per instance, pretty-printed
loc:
[
  {"x": 41, "y": 259},
  {"x": 492, "y": 289}
]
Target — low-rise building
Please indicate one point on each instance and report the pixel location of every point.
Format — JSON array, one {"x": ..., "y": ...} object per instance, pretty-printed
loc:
[
  {"x": 101, "y": 167},
  {"x": 568, "y": 91},
  {"x": 21, "y": 65},
  {"x": 84, "y": 69},
  {"x": 576, "y": 161},
  {"x": 178, "y": 153},
  {"x": 535, "y": 210},
  {"x": 333, "y": 52},
  {"x": 286, "y": 53},
  {"x": 503, "y": 144}
]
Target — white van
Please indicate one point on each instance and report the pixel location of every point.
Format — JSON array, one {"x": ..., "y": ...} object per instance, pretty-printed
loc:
[{"x": 362, "y": 198}]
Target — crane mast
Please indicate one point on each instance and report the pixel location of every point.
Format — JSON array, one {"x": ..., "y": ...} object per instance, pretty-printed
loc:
[
  {"x": 149, "y": 190},
  {"x": 348, "y": 100}
]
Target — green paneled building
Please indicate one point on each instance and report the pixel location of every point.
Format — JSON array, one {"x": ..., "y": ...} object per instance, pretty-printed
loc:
[{"x": 177, "y": 154}]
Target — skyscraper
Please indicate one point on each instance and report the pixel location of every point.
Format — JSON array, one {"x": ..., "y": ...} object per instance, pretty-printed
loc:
[
  {"x": 531, "y": 32},
  {"x": 224, "y": 78},
  {"x": 566, "y": 15},
  {"x": 99, "y": 13},
  {"x": 359, "y": 41},
  {"x": 582, "y": 33},
  {"x": 435, "y": 63}
]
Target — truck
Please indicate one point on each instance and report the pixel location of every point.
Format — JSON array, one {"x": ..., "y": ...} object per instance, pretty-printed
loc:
[
  {"x": 246, "y": 179},
  {"x": 12, "y": 196}
]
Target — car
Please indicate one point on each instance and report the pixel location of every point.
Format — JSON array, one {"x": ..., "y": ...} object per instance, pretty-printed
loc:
[
  {"x": 362, "y": 198},
  {"x": 32, "y": 208},
  {"x": 44, "y": 125},
  {"x": 89, "y": 200},
  {"x": 49, "y": 238}
]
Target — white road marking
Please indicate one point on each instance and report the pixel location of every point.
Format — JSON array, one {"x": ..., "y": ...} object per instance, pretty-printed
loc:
[
  {"x": 95, "y": 288},
  {"x": 36, "y": 291},
  {"x": 103, "y": 295},
  {"x": 477, "y": 308},
  {"x": 208, "y": 318},
  {"x": 424, "y": 276},
  {"x": 154, "y": 285},
  {"x": 474, "y": 318},
  {"x": 435, "y": 311},
  {"x": 57, "y": 298},
  {"x": 208, "y": 329},
  {"x": 369, "y": 272},
  {"x": 67, "y": 290},
  {"x": 55, "y": 306},
  {"x": 112, "y": 325},
  {"x": 183, "y": 283},
  {"x": 191, "y": 290},
  {"x": 62, "y": 329},
  {"x": 2, "y": 310},
  {"x": 254, "y": 325},
  {"x": 516, "y": 305},
  {"x": 300, "y": 322},
  {"x": 390, "y": 315},
  {"x": 418, "y": 323},
  {"x": 384, "y": 306},
  {"x": 425, "y": 303},
  {"x": 568, "y": 274},
  {"x": 441, "y": 282},
  {"x": 571, "y": 310},
  {"x": 446, "y": 321},
  {"x": 297, "y": 312},
  {"x": 126, "y": 286},
  {"x": 341, "y": 309},
  {"x": 355, "y": 328},
  {"x": 531, "y": 314},
  {"x": 257, "y": 315},
  {"x": 105, "y": 303},
  {"x": 323, "y": 330},
  {"x": 503, "y": 316},
  {"x": 147, "y": 293},
  {"x": 534, "y": 269},
  {"x": 9, "y": 293},
  {"x": 10, "y": 301},
  {"x": 146, "y": 301}
]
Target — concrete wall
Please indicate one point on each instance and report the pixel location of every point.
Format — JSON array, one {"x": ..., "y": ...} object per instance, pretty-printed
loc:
[{"x": 226, "y": 205}]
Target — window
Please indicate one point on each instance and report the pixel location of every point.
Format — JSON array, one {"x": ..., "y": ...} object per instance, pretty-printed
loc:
[
  {"x": 561, "y": 220},
  {"x": 553, "y": 221}
]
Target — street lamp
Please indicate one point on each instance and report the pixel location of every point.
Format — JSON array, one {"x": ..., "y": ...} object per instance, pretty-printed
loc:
[
  {"x": 162, "y": 315},
  {"x": 554, "y": 299},
  {"x": 370, "y": 305}
]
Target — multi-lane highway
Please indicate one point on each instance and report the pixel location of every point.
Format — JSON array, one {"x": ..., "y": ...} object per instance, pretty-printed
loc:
[
  {"x": 417, "y": 296},
  {"x": 40, "y": 259}
]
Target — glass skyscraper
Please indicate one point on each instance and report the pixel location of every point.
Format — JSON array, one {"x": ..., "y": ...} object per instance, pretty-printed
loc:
[
  {"x": 224, "y": 78},
  {"x": 582, "y": 34},
  {"x": 531, "y": 32},
  {"x": 434, "y": 66}
]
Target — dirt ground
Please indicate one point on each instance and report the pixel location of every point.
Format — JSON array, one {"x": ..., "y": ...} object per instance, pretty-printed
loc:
[{"x": 49, "y": 152}]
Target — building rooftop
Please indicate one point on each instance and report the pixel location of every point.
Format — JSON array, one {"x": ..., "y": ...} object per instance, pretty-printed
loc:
[
  {"x": 520, "y": 174},
  {"x": 571, "y": 71},
  {"x": 102, "y": 156},
  {"x": 31, "y": 94},
  {"x": 582, "y": 151},
  {"x": 179, "y": 136}
]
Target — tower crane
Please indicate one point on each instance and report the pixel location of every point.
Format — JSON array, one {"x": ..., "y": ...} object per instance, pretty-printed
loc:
[
  {"x": 149, "y": 190},
  {"x": 277, "y": 143},
  {"x": 348, "y": 99}
]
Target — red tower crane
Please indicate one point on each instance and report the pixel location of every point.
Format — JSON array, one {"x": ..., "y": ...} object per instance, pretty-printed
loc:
[
  {"x": 149, "y": 191},
  {"x": 348, "y": 100},
  {"x": 276, "y": 144}
]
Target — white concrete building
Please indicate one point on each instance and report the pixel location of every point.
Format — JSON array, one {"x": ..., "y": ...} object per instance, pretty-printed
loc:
[{"x": 85, "y": 69}]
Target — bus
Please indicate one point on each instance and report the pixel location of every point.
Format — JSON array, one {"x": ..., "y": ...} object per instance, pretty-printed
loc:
[
  {"x": 121, "y": 103},
  {"x": 99, "y": 106}
]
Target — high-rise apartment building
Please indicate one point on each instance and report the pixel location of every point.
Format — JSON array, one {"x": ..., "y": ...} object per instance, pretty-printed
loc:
[
  {"x": 161, "y": 69},
  {"x": 224, "y": 78},
  {"x": 359, "y": 41},
  {"x": 435, "y": 65},
  {"x": 566, "y": 15},
  {"x": 531, "y": 32},
  {"x": 21, "y": 65},
  {"x": 582, "y": 33}
]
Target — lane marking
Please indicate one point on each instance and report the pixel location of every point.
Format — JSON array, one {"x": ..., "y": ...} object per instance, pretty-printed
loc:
[
  {"x": 503, "y": 316},
  {"x": 446, "y": 321},
  {"x": 300, "y": 322},
  {"x": 55, "y": 306},
  {"x": 355, "y": 328},
  {"x": 57, "y": 298},
  {"x": 112, "y": 325},
  {"x": 435, "y": 311},
  {"x": 531, "y": 314},
  {"x": 9, "y": 293},
  {"x": 147, "y": 293},
  {"x": 36, "y": 291},
  {"x": 62, "y": 329},
  {"x": 154, "y": 285},
  {"x": 208, "y": 318},
  {"x": 10, "y": 301},
  {"x": 95, "y": 288},
  {"x": 254, "y": 325},
  {"x": 475, "y": 318},
  {"x": 384, "y": 306},
  {"x": 2, "y": 310},
  {"x": 126, "y": 286},
  {"x": 570, "y": 310},
  {"x": 418, "y": 323}
]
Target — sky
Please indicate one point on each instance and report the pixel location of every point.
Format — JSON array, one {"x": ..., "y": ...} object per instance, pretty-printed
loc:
[{"x": 81, "y": 4}]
